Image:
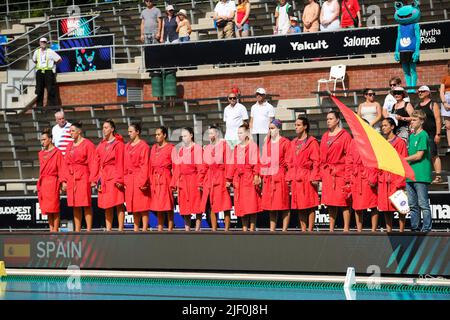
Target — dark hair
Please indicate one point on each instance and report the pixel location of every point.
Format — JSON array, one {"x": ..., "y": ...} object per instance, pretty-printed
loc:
[
  {"x": 164, "y": 131},
  {"x": 78, "y": 125},
  {"x": 137, "y": 126},
  {"x": 396, "y": 79},
  {"x": 245, "y": 126},
  {"x": 214, "y": 127},
  {"x": 366, "y": 90},
  {"x": 305, "y": 122},
  {"x": 336, "y": 114},
  {"x": 111, "y": 123},
  {"x": 48, "y": 132},
  {"x": 391, "y": 123},
  {"x": 190, "y": 130}
]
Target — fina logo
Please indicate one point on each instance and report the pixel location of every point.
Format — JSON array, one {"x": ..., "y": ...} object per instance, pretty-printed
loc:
[{"x": 40, "y": 218}]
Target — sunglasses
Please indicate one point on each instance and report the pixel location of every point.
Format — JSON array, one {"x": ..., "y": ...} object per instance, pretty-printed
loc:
[
  {"x": 393, "y": 84},
  {"x": 371, "y": 94},
  {"x": 422, "y": 91},
  {"x": 397, "y": 93},
  {"x": 232, "y": 98}
]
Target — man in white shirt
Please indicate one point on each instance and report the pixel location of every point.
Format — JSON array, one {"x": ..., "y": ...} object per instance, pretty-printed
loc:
[
  {"x": 261, "y": 115},
  {"x": 389, "y": 101},
  {"x": 46, "y": 60},
  {"x": 61, "y": 132},
  {"x": 234, "y": 116},
  {"x": 224, "y": 16}
]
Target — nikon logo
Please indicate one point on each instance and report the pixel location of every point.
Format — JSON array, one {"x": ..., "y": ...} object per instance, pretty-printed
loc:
[{"x": 258, "y": 48}]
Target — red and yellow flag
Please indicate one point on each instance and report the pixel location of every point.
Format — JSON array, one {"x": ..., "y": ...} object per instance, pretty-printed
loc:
[{"x": 375, "y": 151}]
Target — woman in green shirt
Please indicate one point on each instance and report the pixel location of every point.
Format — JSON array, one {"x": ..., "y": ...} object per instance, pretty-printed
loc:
[{"x": 419, "y": 159}]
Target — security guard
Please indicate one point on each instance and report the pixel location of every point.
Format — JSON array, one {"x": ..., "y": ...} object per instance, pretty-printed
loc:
[{"x": 45, "y": 60}]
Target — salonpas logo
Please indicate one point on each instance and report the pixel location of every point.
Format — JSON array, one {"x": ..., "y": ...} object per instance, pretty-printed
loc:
[
  {"x": 361, "y": 42},
  {"x": 258, "y": 48},
  {"x": 305, "y": 45},
  {"x": 429, "y": 36}
]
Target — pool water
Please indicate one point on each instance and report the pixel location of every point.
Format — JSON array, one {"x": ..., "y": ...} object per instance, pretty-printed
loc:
[{"x": 98, "y": 289}]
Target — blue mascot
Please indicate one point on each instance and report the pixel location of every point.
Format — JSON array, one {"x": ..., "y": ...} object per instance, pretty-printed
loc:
[{"x": 407, "y": 49}]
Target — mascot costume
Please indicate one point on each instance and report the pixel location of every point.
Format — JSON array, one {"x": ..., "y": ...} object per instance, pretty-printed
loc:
[{"x": 407, "y": 48}]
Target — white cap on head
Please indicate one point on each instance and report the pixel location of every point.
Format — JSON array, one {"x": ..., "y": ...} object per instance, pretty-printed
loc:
[
  {"x": 169, "y": 7},
  {"x": 424, "y": 88},
  {"x": 261, "y": 91},
  {"x": 182, "y": 12},
  {"x": 43, "y": 40},
  {"x": 294, "y": 19},
  {"x": 398, "y": 89}
]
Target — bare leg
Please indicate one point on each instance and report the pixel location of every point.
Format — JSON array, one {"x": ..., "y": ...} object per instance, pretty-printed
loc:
[
  {"x": 374, "y": 220},
  {"x": 198, "y": 222},
  {"x": 160, "y": 221},
  {"x": 311, "y": 220},
  {"x": 447, "y": 127},
  {"x": 359, "y": 220},
  {"x": 121, "y": 216},
  {"x": 253, "y": 222},
  {"x": 332, "y": 212},
  {"x": 51, "y": 222},
  {"x": 286, "y": 216},
  {"x": 402, "y": 222},
  {"x": 388, "y": 217},
  {"x": 245, "y": 223},
  {"x": 56, "y": 221},
  {"x": 227, "y": 219},
  {"x": 213, "y": 218},
  {"x": 144, "y": 216},
  {"x": 273, "y": 220},
  {"x": 89, "y": 217},
  {"x": 346, "y": 214},
  {"x": 109, "y": 217},
  {"x": 78, "y": 218},
  {"x": 187, "y": 222},
  {"x": 137, "y": 221},
  {"x": 170, "y": 222}
]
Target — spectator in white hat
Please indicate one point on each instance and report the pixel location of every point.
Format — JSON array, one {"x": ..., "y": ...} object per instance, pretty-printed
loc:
[
  {"x": 261, "y": 114},
  {"x": 294, "y": 28},
  {"x": 432, "y": 127},
  {"x": 46, "y": 60},
  {"x": 184, "y": 26},
  {"x": 169, "y": 32}
]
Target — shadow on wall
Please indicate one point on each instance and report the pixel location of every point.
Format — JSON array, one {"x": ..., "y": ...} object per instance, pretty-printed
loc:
[{"x": 180, "y": 91}]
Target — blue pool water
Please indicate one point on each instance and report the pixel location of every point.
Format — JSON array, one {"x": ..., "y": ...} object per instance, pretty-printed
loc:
[{"x": 92, "y": 290}]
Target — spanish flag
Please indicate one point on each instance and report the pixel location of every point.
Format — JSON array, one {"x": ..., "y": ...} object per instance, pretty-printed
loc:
[
  {"x": 375, "y": 151},
  {"x": 16, "y": 250}
]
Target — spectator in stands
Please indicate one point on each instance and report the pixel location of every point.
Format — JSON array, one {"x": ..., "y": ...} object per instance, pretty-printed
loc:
[
  {"x": 242, "y": 26},
  {"x": 445, "y": 100},
  {"x": 402, "y": 111},
  {"x": 224, "y": 17},
  {"x": 283, "y": 14},
  {"x": 261, "y": 115},
  {"x": 151, "y": 23},
  {"x": 294, "y": 28},
  {"x": 350, "y": 14},
  {"x": 184, "y": 26},
  {"x": 432, "y": 127},
  {"x": 329, "y": 16},
  {"x": 169, "y": 27},
  {"x": 390, "y": 100},
  {"x": 419, "y": 159},
  {"x": 311, "y": 15},
  {"x": 61, "y": 132},
  {"x": 370, "y": 110},
  {"x": 46, "y": 60},
  {"x": 234, "y": 116}
]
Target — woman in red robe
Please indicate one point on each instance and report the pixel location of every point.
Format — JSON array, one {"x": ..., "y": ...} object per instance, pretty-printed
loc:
[
  {"x": 303, "y": 174},
  {"x": 109, "y": 175},
  {"x": 214, "y": 189},
  {"x": 186, "y": 180},
  {"x": 51, "y": 179},
  {"x": 389, "y": 183},
  {"x": 80, "y": 165},
  {"x": 335, "y": 174},
  {"x": 244, "y": 173},
  {"x": 160, "y": 179},
  {"x": 137, "y": 186},
  {"x": 274, "y": 167},
  {"x": 363, "y": 182}
]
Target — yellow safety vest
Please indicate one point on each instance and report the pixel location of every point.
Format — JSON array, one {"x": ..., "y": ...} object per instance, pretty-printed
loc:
[{"x": 38, "y": 62}]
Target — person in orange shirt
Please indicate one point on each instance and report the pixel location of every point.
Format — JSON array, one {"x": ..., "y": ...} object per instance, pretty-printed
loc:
[{"x": 310, "y": 17}]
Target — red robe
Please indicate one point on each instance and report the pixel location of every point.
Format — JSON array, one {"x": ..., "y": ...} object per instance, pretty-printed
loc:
[
  {"x": 188, "y": 164},
  {"x": 214, "y": 168},
  {"x": 388, "y": 183},
  {"x": 363, "y": 195},
  {"x": 334, "y": 172},
  {"x": 80, "y": 163},
  {"x": 303, "y": 169},
  {"x": 160, "y": 172},
  {"x": 108, "y": 172},
  {"x": 245, "y": 165},
  {"x": 274, "y": 167},
  {"x": 51, "y": 174},
  {"x": 136, "y": 167}
]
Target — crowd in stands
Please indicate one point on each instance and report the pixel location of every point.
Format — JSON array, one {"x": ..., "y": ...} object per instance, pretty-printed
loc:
[{"x": 232, "y": 19}]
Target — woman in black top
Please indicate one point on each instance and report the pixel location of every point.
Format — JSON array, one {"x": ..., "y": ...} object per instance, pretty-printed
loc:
[
  {"x": 169, "y": 26},
  {"x": 402, "y": 111}
]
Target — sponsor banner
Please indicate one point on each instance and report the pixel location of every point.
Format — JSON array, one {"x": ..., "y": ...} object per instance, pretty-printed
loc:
[
  {"x": 26, "y": 214},
  {"x": 370, "y": 254},
  {"x": 290, "y": 47},
  {"x": 75, "y": 26}
]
